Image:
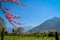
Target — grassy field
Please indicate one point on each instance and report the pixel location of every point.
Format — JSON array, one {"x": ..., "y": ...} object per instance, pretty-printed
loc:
[{"x": 28, "y": 38}]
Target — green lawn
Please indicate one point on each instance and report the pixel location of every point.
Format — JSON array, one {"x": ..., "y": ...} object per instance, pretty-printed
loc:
[{"x": 28, "y": 38}]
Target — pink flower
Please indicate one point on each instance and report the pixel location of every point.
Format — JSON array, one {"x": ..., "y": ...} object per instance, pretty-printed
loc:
[
  {"x": 8, "y": 8},
  {"x": 12, "y": 0},
  {"x": 20, "y": 3},
  {"x": 7, "y": 0}
]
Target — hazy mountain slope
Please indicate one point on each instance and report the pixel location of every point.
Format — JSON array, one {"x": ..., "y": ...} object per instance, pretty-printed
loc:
[{"x": 48, "y": 25}]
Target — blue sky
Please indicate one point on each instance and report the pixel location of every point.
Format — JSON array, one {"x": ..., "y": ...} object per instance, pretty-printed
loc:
[{"x": 35, "y": 12}]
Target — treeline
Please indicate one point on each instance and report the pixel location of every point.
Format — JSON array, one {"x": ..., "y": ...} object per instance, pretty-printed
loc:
[{"x": 37, "y": 34}]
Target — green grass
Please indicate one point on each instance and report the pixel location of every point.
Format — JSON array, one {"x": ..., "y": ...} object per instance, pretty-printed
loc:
[{"x": 28, "y": 38}]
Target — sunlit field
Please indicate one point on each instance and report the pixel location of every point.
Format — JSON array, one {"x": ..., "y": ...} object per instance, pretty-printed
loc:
[{"x": 28, "y": 38}]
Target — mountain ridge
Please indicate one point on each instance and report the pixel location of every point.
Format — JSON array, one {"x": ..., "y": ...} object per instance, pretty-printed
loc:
[{"x": 52, "y": 24}]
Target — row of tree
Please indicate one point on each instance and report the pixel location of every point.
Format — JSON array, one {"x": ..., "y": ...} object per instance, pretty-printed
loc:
[{"x": 17, "y": 31}]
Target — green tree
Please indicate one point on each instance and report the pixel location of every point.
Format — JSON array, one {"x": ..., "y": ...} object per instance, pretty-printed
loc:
[
  {"x": 19, "y": 30},
  {"x": 2, "y": 27}
]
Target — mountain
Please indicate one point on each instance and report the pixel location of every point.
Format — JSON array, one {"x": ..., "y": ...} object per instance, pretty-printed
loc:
[{"x": 52, "y": 24}]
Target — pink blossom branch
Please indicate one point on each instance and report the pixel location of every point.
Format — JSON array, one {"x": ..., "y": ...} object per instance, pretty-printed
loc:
[
  {"x": 13, "y": 1},
  {"x": 8, "y": 15}
]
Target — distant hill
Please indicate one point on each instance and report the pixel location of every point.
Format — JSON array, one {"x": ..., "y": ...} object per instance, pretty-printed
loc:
[
  {"x": 26, "y": 28},
  {"x": 52, "y": 24}
]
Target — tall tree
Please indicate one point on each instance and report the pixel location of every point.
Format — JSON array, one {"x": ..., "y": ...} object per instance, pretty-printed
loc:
[
  {"x": 13, "y": 32},
  {"x": 56, "y": 37},
  {"x": 19, "y": 30},
  {"x": 2, "y": 24},
  {"x": 2, "y": 27}
]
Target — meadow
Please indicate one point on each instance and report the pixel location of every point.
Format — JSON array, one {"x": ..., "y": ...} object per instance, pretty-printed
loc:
[{"x": 28, "y": 38}]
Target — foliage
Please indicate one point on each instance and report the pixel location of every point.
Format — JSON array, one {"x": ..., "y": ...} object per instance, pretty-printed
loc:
[
  {"x": 51, "y": 34},
  {"x": 19, "y": 31},
  {"x": 2, "y": 24}
]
